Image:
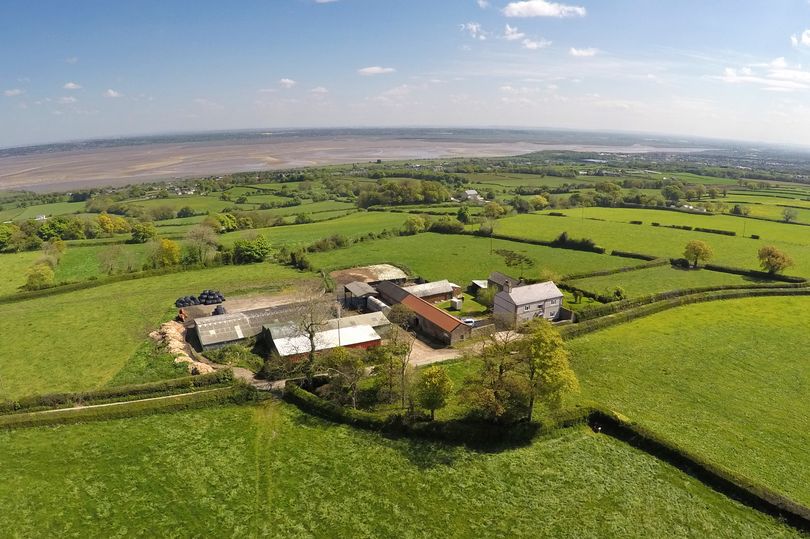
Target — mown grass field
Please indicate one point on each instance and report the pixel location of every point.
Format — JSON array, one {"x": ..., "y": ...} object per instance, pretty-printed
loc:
[
  {"x": 728, "y": 380},
  {"x": 613, "y": 231},
  {"x": 13, "y": 268},
  {"x": 31, "y": 212},
  {"x": 272, "y": 471},
  {"x": 80, "y": 340},
  {"x": 661, "y": 279},
  {"x": 462, "y": 258}
]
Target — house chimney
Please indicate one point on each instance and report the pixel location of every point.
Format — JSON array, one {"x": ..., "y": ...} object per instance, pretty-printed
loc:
[{"x": 507, "y": 286}]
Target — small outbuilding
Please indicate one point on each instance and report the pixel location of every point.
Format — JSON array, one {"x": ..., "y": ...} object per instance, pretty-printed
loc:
[
  {"x": 434, "y": 292},
  {"x": 356, "y": 294}
]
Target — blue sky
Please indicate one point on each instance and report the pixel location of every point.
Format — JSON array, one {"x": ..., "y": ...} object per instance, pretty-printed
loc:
[{"x": 720, "y": 68}]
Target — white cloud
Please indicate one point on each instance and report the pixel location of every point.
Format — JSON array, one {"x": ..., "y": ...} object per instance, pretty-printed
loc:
[
  {"x": 534, "y": 45},
  {"x": 72, "y": 60},
  {"x": 375, "y": 70},
  {"x": 801, "y": 40},
  {"x": 475, "y": 30},
  {"x": 287, "y": 83},
  {"x": 512, "y": 33},
  {"x": 775, "y": 80},
  {"x": 112, "y": 93},
  {"x": 13, "y": 92},
  {"x": 320, "y": 90},
  {"x": 779, "y": 63},
  {"x": 483, "y": 4},
  {"x": 583, "y": 53},
  {"x": 542, "y": 8},
  {"x": 66, "y": 100},
  {"x": 71, "y": 86}
]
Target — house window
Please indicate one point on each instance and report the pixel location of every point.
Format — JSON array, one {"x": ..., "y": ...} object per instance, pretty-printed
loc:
[
  {"x": 553, "y": 302},
  {"x": 527, "y": 307}
]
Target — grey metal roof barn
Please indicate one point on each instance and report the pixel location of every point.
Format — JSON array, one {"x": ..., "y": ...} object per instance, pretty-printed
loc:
[
  {"x": 223, "y": 329},
  {"x": 432, "y": 289},
  {"x": 359, "y": 289}
]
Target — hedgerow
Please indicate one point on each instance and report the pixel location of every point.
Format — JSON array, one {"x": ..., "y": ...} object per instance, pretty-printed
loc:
[
  {"x": 625, "y": 311},
  {"x": 113, "y": 394},
  {"x": 238, "y": 393}
]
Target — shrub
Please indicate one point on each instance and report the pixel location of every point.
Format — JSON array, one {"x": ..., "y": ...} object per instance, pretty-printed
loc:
[{"x": 636, "y": 223}]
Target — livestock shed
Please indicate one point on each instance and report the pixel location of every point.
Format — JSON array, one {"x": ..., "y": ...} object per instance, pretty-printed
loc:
[
  {"x": 356, "y": 294},
  {"x": 429, "y": 320},
  {"x": 288, "y": 340},
  {"x": 224, "y": 329},
  {"x": 435, "y": 292}
]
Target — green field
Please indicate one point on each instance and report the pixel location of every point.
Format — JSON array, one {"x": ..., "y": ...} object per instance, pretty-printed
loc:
[
  {"x": 356, "y": 224},
  {"x": 13, "y": 267},
  {"x": 462, "y": 258},
  {"x": 661, "y": 279},
  {"x": 728, "y": 380},
  {"x": 272, "y": 471},
  {"x": 80, "y": 340},
  {"x": 610, "y": 228},
  {"x": 49, "y": 210}
]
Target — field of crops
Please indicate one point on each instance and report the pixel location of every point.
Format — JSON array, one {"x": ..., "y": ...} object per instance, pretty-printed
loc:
[
  {"x": 463, "y": 258},
  {"x": 726, "y": 379},
  {"x": 272, "y": 471},
  {"x": 80, "y": 340}
]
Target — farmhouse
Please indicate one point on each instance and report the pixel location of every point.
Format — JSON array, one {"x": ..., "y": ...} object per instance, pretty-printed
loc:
[
  {"x": 434, "y": 292},
  {"x": 471, "y": 195},
  {"x": 521, "y": 304},
  {"x": 429, "y": 320}
]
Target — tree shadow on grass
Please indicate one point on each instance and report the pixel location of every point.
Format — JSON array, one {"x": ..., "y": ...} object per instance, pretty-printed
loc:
[{"x": 428, "y": 445}]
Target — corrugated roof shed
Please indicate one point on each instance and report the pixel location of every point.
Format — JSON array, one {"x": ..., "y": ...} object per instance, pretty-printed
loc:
[
  {"x": 324, "y": 340},
  {"x": 390, "y": 290},
  {"x": 375, "y": 320},
  {"x": 533, "y": 293},
  {"x": 386, "y": 272},
  {"x": 359, "y": 289},
  {"x": 432, "y": 289},
  {"x": 223, "y": 328}
]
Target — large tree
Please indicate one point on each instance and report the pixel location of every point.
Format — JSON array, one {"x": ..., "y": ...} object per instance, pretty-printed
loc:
[
  {"x": 346, "y": 369},
  {"x": 698, "y": 251},
  {"x": 433, "y": 389},
  {"x": 202, "y": 242},
  {"x": 773, "y": 260},
  {"x": 546, "y": 366}
]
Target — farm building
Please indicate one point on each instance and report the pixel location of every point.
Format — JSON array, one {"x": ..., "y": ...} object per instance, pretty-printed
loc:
[
  {"x": 476, "y": 286},
  {"x": 376, "y": 320},
  {"x": 434, "y": 292},
  {"x": 521, "y": 304},
  {"x": 428, "y": 319},
  {"x": 471, "y": 195},
  {"x": 500, "y": 280},
  {"x": 224, "y": 329},
  {"x": 288, "y": 341},
  {"x": 356, "y": 294},
  {"x": 370, "y": 274}
]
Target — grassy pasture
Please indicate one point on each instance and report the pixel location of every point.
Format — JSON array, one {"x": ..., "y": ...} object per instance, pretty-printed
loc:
[
  {"x": 199, "y": 203},
  {"x": 660, "y": 279},
  {"x": 462, "y": 258},
  {"x": 355, "y": 224},
  {"x": 615, "y": 232},
  {"x": 80, "y": 340},
  {"x": 13, "y": 268},
  {"x": 271, "y": 471},
  {"x": 727, "y": 379}
]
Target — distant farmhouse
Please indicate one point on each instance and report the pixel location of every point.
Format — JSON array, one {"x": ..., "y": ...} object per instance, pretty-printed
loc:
[
  {"x": 523, "y": 303},
  {"x": 471, "y": 195}
]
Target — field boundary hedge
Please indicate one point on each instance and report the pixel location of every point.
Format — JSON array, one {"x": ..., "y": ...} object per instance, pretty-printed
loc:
[
  {"x": 545, "y": 243},
  {"x": 654, "y": 306},
  {"x": 651, "y": 263},
  {"x": 458, "y": 431},
  {"x": 237, "y": 394},
  {"x": 54, "y": 401},
  {"x": 719, "y": 478},
  {"x": 756, "y": 274}
]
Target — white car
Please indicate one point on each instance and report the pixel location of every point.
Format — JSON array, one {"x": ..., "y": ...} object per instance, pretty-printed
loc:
[{"x": 468, "y": 321}]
